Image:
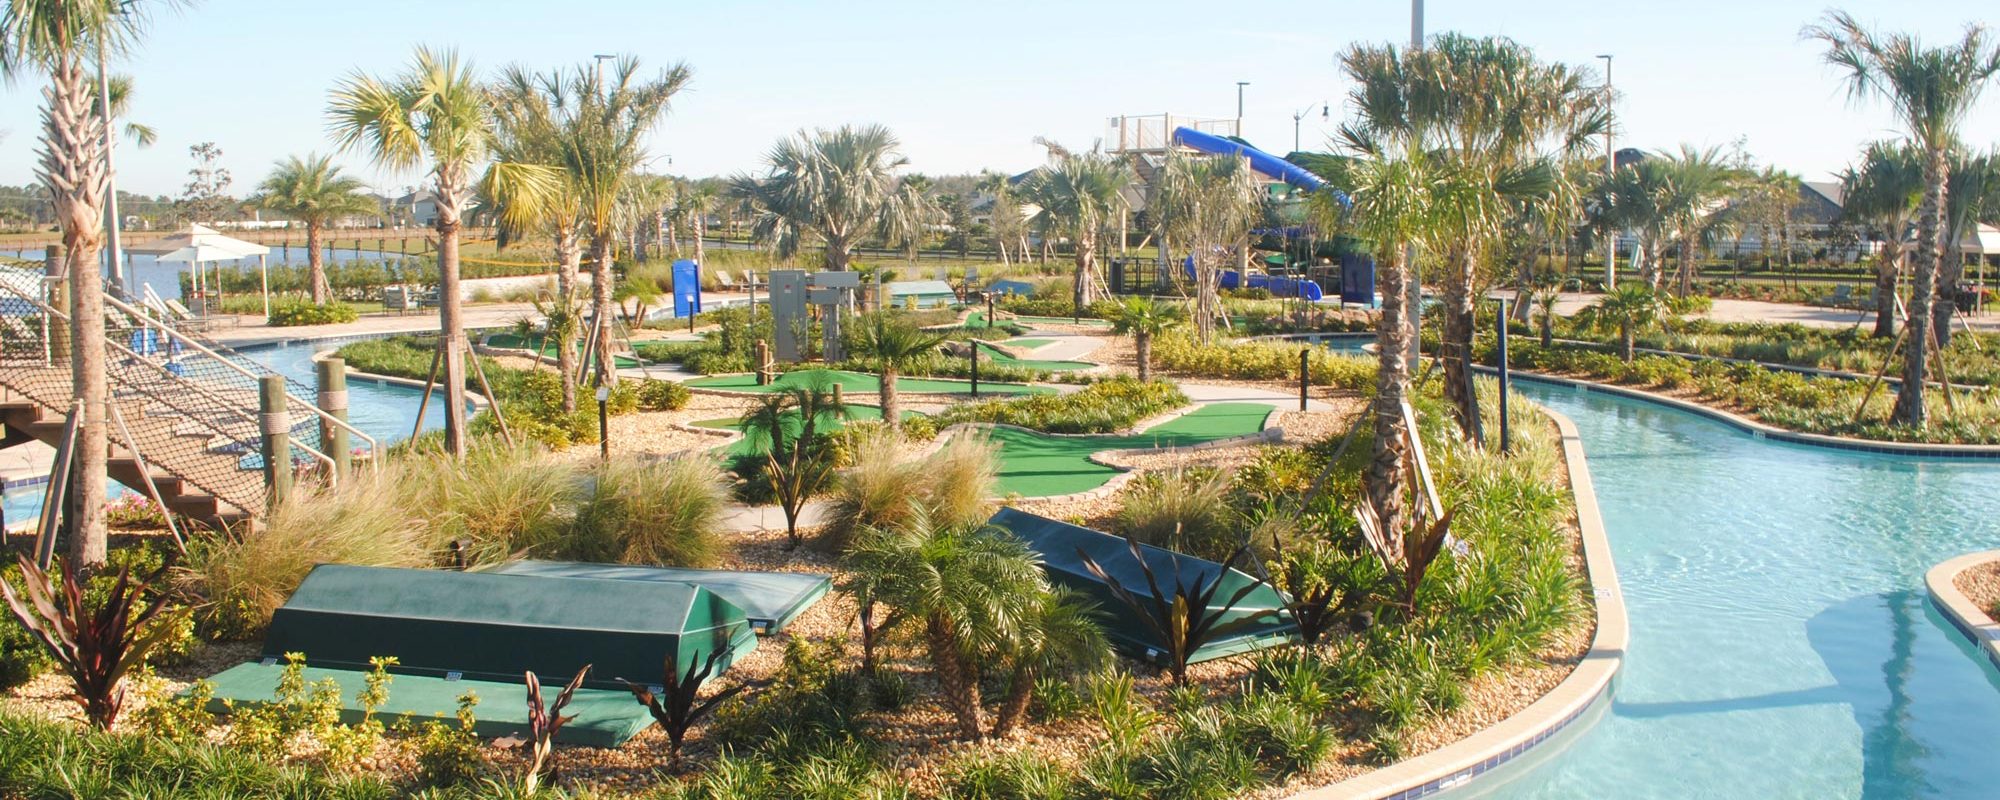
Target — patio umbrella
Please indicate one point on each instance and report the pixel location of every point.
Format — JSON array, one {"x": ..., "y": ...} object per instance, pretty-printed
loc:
[{"x": 202, "y": 244}]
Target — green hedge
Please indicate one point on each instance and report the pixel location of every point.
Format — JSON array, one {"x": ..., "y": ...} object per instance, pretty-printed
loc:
[{"x": 1103, "y": 407}]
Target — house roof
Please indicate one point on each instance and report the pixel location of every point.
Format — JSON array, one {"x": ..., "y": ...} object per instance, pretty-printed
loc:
[{"x": 1831, "y": 190}]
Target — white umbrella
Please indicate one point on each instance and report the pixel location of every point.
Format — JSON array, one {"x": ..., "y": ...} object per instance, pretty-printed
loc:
[{"x": 202, "y": 244}]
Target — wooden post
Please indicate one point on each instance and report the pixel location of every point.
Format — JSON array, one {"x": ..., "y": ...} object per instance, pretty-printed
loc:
[
  {"x": 1305, "y": 375},
  {"x": 430, "y": 384},
  {"x": 762, "y": 354},
  {"x": 1503, "y": 374},
  {"x": 277, "y": 438},
  {"x": 333, "y": 401},
  {"x": 975, "y": 369}
]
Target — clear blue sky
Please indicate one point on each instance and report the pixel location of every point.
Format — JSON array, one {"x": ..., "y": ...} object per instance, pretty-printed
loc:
[{"x": 966, "y": 85}]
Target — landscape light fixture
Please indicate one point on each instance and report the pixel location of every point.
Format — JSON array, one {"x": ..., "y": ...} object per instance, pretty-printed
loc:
[
  {"x": 1610, "y": 167},
  {"x": 1239, "y": 107},
  {"x": 603, "y": 420}
]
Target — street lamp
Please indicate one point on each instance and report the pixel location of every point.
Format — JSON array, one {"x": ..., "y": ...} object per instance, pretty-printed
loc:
[
  {"x": 601, "y": 58},
  {"x": 1239, "y": 107},
  {"x": 1416, "y": 301},
  {"x": 1325, "y": 113},
  {"x": 1610, "y": 167},
  {"x": 114, "y": 257}
]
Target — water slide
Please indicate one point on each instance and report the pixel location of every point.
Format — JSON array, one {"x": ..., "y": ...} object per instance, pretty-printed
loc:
[{"x": 1271, "y": 167}]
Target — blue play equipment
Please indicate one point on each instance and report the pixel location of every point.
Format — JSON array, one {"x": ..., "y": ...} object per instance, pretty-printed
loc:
[
  {"x": 1264, "y": 163},
  {"x": 1278, "y": 286}
]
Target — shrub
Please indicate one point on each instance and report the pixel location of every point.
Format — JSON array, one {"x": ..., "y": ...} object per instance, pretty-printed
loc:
[
  {"x": 168, "y": 715},
  {"x": 493, "y": 505},
  {"x": 882, "y": 489},
  {"x": 449, "y": 755},
  {"x": 95, "y": 642},
  {"x": 656, "y": 395},
  {"x": 1104, "y": 407},
  {"x": 643, "y": 511},
  {"x": 1185, "y": 510},
  {"x": 244, "y": 575},
  {"x": 1020, "y": 775},
  {"x": 51, "y": 759},
  {"x": 287, "y": 313}
]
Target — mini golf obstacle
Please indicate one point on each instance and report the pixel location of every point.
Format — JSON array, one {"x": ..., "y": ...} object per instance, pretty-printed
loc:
[
  {"x": 770, "y": 600},
  {"x": 1063, "y": 546},
  {"x": 457, "y": 631}
]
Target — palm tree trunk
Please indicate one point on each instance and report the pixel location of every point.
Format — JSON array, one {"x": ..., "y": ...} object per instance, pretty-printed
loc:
[
  {"x": 602, "y": 306},
  {"x": 1014, "y": 708},
  {"x": 1951, "y": 270},
  {"x": 1626, "y": 340},
  {"x": 1910, "y": 409},
  {"x": 1084, "y": 251},
  {"x": 451, "y": 320},
  {"x": 891, "y": 413},
  {"x": 1388, "y": 465},
  {"x": 1687, "y": 264},
  {"x": 961, "y": 688},
  {"x": 72, "y": 166},
  {"x": 662, "y": 222},
  {"x": 569, "y": 261},
  {"x": 1142, "y": 341},
  {"x": 1888, "y": 267},
  {"x": 1458, "y": 326},
  {"x": 700, "y": 230},
  {"x": 316, "y": 264}
]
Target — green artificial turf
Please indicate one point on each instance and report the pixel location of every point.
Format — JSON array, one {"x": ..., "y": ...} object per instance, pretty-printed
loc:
[
  {"x": 855, "y": 383},
  {"x": 997, "y": 356},
  {"x": 1039, "y": 465},
  {"x": 512, "y": 342},
  {"x": 1028, "y": 343},
  {"x": 977, "y": 319}
]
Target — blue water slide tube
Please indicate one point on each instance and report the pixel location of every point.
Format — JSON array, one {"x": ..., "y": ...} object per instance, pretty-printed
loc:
[{"x": 1264, "y": 163}]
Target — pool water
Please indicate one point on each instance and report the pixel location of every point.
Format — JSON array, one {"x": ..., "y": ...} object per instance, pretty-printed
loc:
[{"x": 1781, "y": 645}]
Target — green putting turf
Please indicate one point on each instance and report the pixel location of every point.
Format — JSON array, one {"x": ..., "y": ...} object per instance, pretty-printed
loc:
[
  {"x": 511, "y": 342},
  {"x": 997, "y": 356},
  {"x": 978, "y": 320},
  {"x": 857, "y": 382},
  {"x": 746, "y": 446},
  {"x": 1038, "y": 465},
  {"x": 1029, "y": 343}
]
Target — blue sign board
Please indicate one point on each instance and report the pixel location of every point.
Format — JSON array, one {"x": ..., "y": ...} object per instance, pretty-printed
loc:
[{"x": 687, "y": 288}]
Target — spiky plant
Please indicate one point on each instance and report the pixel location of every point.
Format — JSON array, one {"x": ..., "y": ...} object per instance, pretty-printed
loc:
[
  {"x": 96, "y": 645},
  {"x": 1187, "y": 618},
  {"x": 679, "y": 706},
  {"x": 789, "y": 426},
  {"x": 544, "y": 722}
]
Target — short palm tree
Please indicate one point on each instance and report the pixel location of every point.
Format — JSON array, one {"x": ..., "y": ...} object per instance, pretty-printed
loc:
[
  {"x": 1932, "y": 89},
  {"x": 833, "y": 185},
  {"x": 969, "y": 587},
  {"x": 312, "y": 190},
  {"x": 438, "y": 116},
  {"x": 1208, "y": 205},
  {"x": 1628, "y": 309},
  {"x": 791, "y": 426},
  {"x": 1064, "y": 631},
  {"x": 1143, "y": 318},
  {"x": 58, "y": 38},
  {"x": 1699, "y": 182},
  {"x": 1080, "y": 199},
  {"x": 891, "y": 344},
  {"x": 1881, "y": 194}
]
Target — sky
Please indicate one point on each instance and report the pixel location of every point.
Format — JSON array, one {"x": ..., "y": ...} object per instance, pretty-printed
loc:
[{"x": 966, "y": 86}]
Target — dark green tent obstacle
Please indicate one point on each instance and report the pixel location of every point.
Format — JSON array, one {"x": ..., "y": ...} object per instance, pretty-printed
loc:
[
  {"x": 770, "y": 600},
  {"x": 453, "y": 631},
  {"x": 1062, "y": 547}
]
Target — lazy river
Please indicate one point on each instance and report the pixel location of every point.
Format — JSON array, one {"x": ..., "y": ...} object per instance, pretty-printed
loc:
[{"x": 1781, "y": 641}]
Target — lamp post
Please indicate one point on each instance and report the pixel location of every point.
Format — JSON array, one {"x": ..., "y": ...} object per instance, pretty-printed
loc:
[
  {"x": 1610, "y": 167},
  {"x": 113, "y": 251},
  {"x": 1239, "y": 107},
  {"x": 603, "y": 420},
  {"x": 1325, "y": 113},
  {"x": 599, "y": 79},
  {"x": 1416, "y": 300}
]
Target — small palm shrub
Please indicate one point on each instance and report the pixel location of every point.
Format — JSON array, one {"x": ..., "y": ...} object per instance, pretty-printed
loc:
[
  {"x": 243, "y": 576},
  {"x": 1184, "y": 510},
  {"x": 646, "y": 511}
]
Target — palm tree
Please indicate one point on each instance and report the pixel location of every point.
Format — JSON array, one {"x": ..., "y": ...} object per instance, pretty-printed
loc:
[
  {"x": 1080, "y": 198},
  {"x": 121, "y": 102},
  {"x": 1208, "y": 204},
  {"x": 1931, "y": 89},
  {"x": 1007, "y": 225},
  {"x": 312, "y": 190},
  {"x": 56, "y": 38},
  {"x": 438, "y": 116},
  {"x": 1631, "y": 200},
  {"x": 791, "y": 426},
  {"x": 1699, "y": 182},
  {"x": 1628, "y": 309},
  {"x": 1143, "y": 318},
  {"x": 892, "y": 344},
  {"x": 697, "y": 199},
  {"x": 1882, "y": 193},
  {"x": 651, "y": 203},
  {"x": 1063, "y": 631},
  {"x": 604, "y": 143},
  {"x": 971, "y": 588},
  {"x": 533, "y": 125},
  {"x": 907, "y": 219},
  {"x": 834, "y": 185}
]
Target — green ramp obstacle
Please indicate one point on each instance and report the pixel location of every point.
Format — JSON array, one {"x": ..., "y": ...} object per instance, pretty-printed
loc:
[
  {"x": 1002, "y": 358},
  {"x": 451, "y": 631},
  {"x": 770, "y": 600},
  {"x": 1042, "y": 465},
  {"x": 1062, "y": 547}
]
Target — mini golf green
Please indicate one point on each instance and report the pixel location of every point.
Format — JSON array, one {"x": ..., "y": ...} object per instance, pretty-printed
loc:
[
  {"x": 1028, "y": 343},
  {"x": 977, "y": 319},
  {"x": 745, "y": 446},
  {"x": 1039, "y": 465},
  {"x": 510, "y": 341},
  {"x": 1000, "y": 357},
  {"x": 857, "y": 383}
]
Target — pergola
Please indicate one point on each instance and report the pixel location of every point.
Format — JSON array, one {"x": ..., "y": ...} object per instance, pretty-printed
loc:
[
  {"x": 1981, "y": 243},
  {"x": 203, "y": 245}
]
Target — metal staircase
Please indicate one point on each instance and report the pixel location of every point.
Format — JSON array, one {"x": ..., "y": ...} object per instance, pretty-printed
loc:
[{"x": 186, "y": 424}]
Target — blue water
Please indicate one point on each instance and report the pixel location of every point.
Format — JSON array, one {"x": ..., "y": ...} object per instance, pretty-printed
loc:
[
  {"x": 165, "y": 278},
  {"x": 1782, "y": 645}
]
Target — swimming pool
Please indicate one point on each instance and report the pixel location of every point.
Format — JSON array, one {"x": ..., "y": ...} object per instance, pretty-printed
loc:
[{"x": 1781, "y": 642}]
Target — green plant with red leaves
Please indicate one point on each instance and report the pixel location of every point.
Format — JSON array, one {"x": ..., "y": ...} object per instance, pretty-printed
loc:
[
  {"x": 679, "y": 706},
  {"x": 545, "y": 720},
  {"x": 96, "y": 644}
]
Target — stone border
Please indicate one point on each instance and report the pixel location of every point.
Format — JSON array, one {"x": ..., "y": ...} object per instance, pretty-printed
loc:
[
  {"x": 1966, "y": 616},
  {"x": 1764, "y": 431},
  {"x": 1592, "y": 680}
]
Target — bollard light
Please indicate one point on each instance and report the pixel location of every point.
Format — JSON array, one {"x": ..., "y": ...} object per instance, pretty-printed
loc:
[{"x": 603, "y": 422}]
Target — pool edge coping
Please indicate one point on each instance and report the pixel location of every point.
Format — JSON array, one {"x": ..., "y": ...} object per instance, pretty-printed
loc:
[
  {"x": 1462, "y": 761},
  {"x": 1941, "y": 582}
]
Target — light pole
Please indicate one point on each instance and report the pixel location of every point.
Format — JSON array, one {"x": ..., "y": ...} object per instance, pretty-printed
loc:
[
  {"x": 1325, "y": 113},
  {"x": 1610, "y": 167},
  {"x": 114, "y": 256},
  {"x": 1416, "y": 301},
  {"x": 599, "y": 79},
  {"x": 1239, "y": 107}
]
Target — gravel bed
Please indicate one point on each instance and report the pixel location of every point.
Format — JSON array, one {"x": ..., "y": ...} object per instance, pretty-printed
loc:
[{"x": 1981, "y": 585}]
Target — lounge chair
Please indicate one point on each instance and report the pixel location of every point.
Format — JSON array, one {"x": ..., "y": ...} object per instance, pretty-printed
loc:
[{"x": 722, "y": 279}]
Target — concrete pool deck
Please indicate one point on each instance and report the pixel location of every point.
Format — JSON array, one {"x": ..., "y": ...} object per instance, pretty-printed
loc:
[{"x": 1965, "y": 615}]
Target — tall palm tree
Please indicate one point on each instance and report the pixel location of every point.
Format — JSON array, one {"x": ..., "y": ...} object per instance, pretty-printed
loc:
[
  {"x": 1973, "y": 198},
  {"x": 312, "y": 190},
  {"x": 604, "y": 143},
  {"x": 1079, "y": 196},
  {"x": 437, "y": 116},
  {"x": 652, "y": 202},
  {"x": 891, "y": 343},
  {"x": 1143, "y": 318},
  {"x": 1208, "y": 204},
  {"x": 697, "y": 200},
  {"x": 531, "y": 114},
  {"x": 969, "y": 587},
  {"x": 1699, "y": 184},
  {"x": 833, "y": 185},
  {"x": 907, "y": 219},
  {"x": 57, "y": 38},
  {"x": 1632, "y": 200},
  {"x": 1881, "y": 193},
  {"x": 1931, "y": 89}
]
